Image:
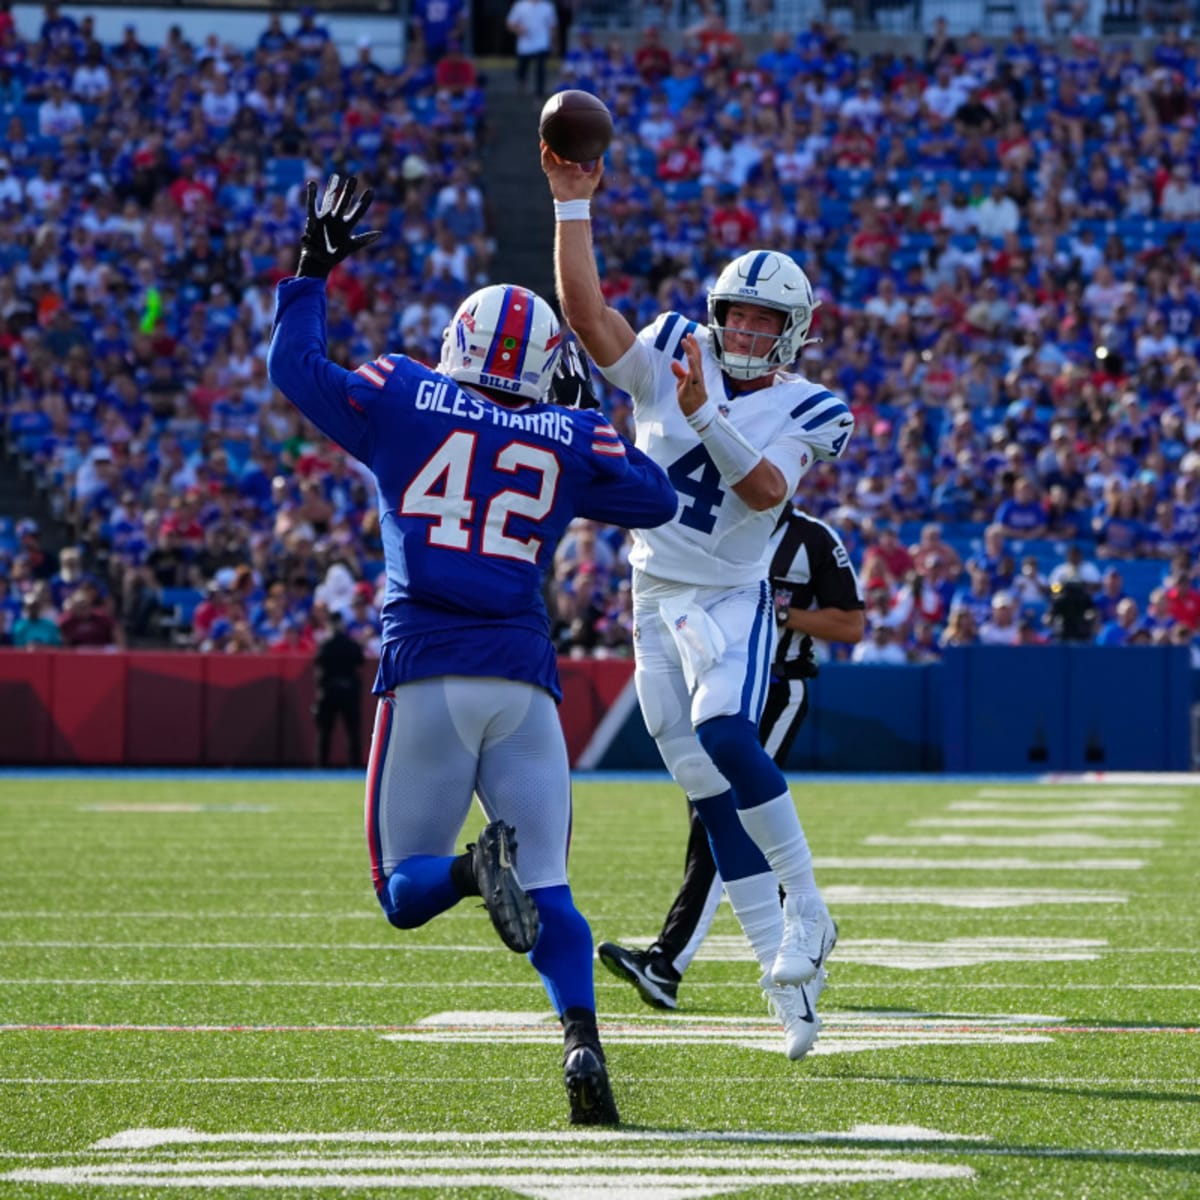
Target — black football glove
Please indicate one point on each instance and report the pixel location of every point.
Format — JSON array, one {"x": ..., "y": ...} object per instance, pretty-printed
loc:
[
  {"x": 329, "y": 233},
  {"x": 572, "y": 383}
]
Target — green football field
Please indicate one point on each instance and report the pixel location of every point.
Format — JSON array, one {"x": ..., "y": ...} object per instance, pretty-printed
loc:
[{"x": 199, "y": 996}]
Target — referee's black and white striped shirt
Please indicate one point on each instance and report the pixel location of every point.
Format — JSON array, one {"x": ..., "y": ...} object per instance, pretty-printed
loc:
[{"x": 810, "y": 568}]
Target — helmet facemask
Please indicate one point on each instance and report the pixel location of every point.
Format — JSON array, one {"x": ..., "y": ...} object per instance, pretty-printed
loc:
[{"x": 763, "y": 279}]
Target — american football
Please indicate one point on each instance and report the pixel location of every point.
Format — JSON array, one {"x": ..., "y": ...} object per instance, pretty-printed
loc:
[{"x": 576, "y": 125}]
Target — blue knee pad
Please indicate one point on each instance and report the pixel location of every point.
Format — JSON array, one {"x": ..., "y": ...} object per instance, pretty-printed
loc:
[
  {"x": 418, "y": 889},
  {"x": 732, "y": 743},
  {"x": 562, "y": 954},
  {"x": 736, "y": 855}
]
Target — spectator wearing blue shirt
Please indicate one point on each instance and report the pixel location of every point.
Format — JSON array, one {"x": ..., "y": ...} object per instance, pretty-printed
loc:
[
  {"x": 1119, "y": 532},
  {"x": 310, "y": 37},
  {"x": 976, "y": 597},
  {"x": 1121, "y": 630},
  {"x": 437, "y": 21},
  {"x": 1023, "y": 516},
  {"x": 1164, "y": 537},
  {"x": 1110, "y": 593},
  {"x": 781, "y": 60},
  {"x": 959, "y": 496}
]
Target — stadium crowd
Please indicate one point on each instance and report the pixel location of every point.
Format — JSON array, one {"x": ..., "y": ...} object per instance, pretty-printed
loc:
[
  {"x": 1004, "y": 239},
  {"x": 1005, "y": 244}
]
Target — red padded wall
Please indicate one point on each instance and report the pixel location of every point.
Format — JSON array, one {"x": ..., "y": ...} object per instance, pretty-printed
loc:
[
  {"x": 26, "y": 719},
  {"x": 164, "y": 723},
  {"x": 88, "y": 689},
  {"x": 241, "y": 710}
]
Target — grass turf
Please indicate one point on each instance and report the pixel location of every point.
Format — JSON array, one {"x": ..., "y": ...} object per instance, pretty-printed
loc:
[{"x": 233, "y": 922}]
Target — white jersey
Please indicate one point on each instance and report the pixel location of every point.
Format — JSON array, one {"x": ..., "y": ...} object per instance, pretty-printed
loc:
[{"x": 716, "y": 540}]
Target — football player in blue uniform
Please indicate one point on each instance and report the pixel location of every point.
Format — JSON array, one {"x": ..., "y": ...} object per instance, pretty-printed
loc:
[
  {"x": 720, "y": 407},
  {"x": 478, "y": 477}
]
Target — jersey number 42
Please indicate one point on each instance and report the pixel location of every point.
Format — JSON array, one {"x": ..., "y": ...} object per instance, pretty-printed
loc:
[{"x": 440, "y": 489}]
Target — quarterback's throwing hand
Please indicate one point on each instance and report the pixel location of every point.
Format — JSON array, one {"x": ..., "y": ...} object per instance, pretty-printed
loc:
[
  {"x": 690, "y": 389},
  {"x": 329, "y": 233},
  {"x": 570, "y": 180}
]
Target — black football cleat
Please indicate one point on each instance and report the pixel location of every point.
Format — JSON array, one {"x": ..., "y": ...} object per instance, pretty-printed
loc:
[
  {"x": 656, "y": 980},
  {"x": 512, "y": 911},
  {"x": 588, "y": 1089}
]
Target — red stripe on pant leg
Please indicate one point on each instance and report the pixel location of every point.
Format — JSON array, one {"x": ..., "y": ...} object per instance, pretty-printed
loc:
[{"x": 379, "y": 744}]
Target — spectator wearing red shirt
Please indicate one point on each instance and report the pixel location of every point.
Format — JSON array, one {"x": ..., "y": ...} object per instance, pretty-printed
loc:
[
  {"x": 852, "y": 145},
  {"x": 189, "y": 193},
  {"x": 1183, "y": 600},
  {"x": 873, "y": 243},
  {"x": 732, "y": 224},
  {"x": 652, "y": 59},
  {"x": 183, "y": 521},
  {"x": 714, "y": 40},
  {"x": 680, "y": 159},
  {"x": 888, "y": 551},
  {"x": 455, "y": 72},
  {"x": 86, "y": 620}
]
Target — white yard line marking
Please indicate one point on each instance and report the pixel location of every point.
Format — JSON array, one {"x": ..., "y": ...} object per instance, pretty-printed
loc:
[
  {"x": 565, "y": 1183},
  {"x": 842, "y": 1033},
  {"x": 1082, "y": 806},
  {"x": 897, "y": 954},
  {"x": 148, "y": 1139},
  {"x": 1153, "y": 779},
  {"x": 719, "y": 1077},
  {"x": 848, "y": 894},
  {"x": 1079, "y": 821},
  {"x": 1037, "y": 841},
  {"x": 979, "y": 864},
  {"x": 1080, "y": 792},
  {"x": 129, "y": 806},
  {"x": 613, "y": 1164}
]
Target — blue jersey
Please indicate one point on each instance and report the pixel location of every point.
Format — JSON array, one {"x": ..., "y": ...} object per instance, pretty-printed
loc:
[{"x": 473, "y": 498}]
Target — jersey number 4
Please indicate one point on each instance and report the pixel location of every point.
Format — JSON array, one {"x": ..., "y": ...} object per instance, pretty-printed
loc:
[
  {"x": 696, "y": 475},
  {"x": 440, "y": 489}
]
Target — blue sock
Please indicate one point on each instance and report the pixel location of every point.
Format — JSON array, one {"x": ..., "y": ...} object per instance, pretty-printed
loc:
[
  {"x": 562, "y": 954},
  {"x": 732, "y": 743},
  {"x": 418, "y": 889},
  {"x": 735, "y": 853}
]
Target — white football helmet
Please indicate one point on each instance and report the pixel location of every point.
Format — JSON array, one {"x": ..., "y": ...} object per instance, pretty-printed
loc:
[
  {"x": 771, "y": 280},
  {"x": 504, "y": 338}
]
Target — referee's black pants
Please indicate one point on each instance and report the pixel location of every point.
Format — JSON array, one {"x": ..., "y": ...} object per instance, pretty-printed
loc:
[{"x": 783, "y": 714}]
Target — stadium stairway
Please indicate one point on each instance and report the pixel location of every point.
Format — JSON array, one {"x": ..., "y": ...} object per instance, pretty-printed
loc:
[
  {"x": 521, "y": 211},
  {"x": 20, "y": 500}
]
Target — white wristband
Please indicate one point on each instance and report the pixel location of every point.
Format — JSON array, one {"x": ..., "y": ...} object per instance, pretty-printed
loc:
[
  {"x": 573, "y": 210},
  {"x": 706, "y": 414},
  {"x": 732, "y": 455}
]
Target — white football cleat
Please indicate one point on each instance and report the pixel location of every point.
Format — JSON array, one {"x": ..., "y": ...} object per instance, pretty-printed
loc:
[
  {"x": 809, "y": 934},
  {"x": 796, "y": 1007}
]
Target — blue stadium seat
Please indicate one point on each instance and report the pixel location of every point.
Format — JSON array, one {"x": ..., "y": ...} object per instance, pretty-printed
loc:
[
  {"x": 279, "y": 174},
  {"x": 1140, "y": 575},
  {"x": 183, "y": 601}
]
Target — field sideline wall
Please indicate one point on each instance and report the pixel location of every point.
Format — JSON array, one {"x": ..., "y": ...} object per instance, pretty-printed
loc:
[{"x": 1055, "y": 708}]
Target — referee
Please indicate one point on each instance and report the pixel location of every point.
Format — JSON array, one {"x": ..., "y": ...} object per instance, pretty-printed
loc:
[{"x": 817, "y": 596}]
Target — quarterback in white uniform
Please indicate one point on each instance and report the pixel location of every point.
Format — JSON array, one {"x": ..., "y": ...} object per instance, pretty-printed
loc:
[{"x": 717, "y": 408}]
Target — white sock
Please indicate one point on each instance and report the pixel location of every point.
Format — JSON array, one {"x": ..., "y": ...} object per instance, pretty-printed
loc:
[
  {"x": 755, "y": 902},
  {"x": 775, "y": 829}
]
